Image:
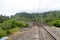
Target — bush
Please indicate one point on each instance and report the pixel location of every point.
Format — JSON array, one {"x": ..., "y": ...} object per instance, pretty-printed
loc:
[
  {"x": 11, "y": 26},
  {"x": 13, "y": 30},
  {"x": 20, "y": 24},
  {"x": 55, "y": 23},
  {"x": 50, "y": 23},
  {"x": 2, "y": 33}
]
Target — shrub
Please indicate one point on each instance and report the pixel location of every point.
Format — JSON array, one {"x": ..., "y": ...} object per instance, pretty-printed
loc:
[
  {"x": 20, "y": 24},
  {"x": 13, "y": 30},
  {"x": 55, "y": 23},
  {"x": 10, "y": 26},
  {"x": 2, "y": 33}
]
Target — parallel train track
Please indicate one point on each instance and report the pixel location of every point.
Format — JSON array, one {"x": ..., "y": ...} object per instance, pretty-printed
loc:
[{"x": 43, "y": 33}]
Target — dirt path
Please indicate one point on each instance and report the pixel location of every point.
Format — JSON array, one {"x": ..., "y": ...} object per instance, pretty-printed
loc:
[{"x": 30, "y": 34}]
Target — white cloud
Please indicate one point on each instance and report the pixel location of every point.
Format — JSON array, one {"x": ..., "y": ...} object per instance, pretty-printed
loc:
[{"x": 10, "y": 7}]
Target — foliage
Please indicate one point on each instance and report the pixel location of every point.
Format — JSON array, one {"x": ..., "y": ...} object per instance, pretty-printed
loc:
[
  {"x": 11, "y": 26},
  {"x": 2, "y": 33},
  {"x": 55, "y": 23},
  {"x": 3, "y": 18},
  {"x": 46, "y": 16},
  {"x": 14, "y": 30}
]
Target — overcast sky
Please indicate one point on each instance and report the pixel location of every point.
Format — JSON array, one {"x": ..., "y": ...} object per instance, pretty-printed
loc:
[{"x": 10, "y": 7}]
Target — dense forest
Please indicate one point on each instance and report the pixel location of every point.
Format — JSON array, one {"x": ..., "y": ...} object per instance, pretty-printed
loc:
[
  {"x": 9, "y": 25},
  {"x": 46, "y": 16}
]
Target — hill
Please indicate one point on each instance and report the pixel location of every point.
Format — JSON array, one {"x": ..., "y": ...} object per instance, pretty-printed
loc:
[{"x": 46, "y": 16}]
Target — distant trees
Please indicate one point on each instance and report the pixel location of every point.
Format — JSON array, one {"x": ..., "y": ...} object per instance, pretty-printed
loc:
[
  {"x": 3, "y": 18},
  {"x": 46, "y": 16}
]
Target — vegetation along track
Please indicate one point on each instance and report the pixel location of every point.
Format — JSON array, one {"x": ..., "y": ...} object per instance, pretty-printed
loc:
[{"x": 43, "y": 33}]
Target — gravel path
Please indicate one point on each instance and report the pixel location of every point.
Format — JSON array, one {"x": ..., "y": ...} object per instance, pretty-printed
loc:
[{"x": 30, "y": 34}]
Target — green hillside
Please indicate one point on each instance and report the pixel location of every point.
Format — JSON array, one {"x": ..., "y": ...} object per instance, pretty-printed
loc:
[{"x": 46, "y": 16}]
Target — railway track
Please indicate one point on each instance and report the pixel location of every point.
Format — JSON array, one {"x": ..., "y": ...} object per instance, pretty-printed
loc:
[
  {"x": 38, "y": 32},
  {"x": 44, "y": 34}
]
